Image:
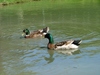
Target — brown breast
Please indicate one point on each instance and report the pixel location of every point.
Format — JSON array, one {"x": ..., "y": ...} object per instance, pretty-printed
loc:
[{"x": 50, "y": 46}]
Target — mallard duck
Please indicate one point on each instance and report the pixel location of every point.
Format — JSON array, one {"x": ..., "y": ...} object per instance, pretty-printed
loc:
[
  {"x": 33, "y": 34},
  {"x": 70, "y": 44}
]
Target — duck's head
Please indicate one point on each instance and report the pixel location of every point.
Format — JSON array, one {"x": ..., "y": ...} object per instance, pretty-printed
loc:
[
  {"x": 49, "y": 36},
  {"x": 26, "y": 32}
]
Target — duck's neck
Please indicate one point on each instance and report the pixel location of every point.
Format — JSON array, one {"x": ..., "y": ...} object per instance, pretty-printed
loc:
[{"x": 51, "y": 40}]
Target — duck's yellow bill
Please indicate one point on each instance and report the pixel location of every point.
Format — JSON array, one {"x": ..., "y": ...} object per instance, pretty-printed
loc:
[{"x": 23, "y": 34}]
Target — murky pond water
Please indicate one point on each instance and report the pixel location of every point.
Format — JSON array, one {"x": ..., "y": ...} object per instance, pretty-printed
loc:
[{"x": 66, "y": 21}]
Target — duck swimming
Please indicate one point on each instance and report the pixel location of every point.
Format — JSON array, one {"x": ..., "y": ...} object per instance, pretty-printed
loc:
[
  {"x": 34, "y": 34},
  {"x": 70, "y": 44}
]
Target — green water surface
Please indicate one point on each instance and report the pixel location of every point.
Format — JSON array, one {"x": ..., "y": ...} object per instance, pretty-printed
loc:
[{"x": 66, "y": 21}]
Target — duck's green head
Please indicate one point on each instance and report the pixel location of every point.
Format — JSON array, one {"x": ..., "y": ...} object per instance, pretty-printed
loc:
[
  {"x": 26, "y": 32},
  {"x": 49, "y": 36}
]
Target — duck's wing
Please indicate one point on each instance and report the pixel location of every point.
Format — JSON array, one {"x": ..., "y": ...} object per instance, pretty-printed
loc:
[
  {"x": 40, "y": 31},
  {"x": 71, "y": 44},
  {"x": 64, "y": 43},
  {"x": 75, "y": 42},
  {"x": 35, "y": 32}
]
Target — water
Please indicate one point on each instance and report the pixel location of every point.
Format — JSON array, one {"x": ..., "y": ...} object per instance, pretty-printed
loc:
[{"x": 66, "y": 21}]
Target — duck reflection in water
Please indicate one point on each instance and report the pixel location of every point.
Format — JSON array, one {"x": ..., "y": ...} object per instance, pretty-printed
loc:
[
  {"x": 69, "y": 52},
  {"x": 50, "y": 58}
]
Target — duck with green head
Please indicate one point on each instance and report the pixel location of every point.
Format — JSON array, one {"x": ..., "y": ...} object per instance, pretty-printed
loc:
[
  {"x": 70, "y": 44},
  {"x": 34, "y": 34}
]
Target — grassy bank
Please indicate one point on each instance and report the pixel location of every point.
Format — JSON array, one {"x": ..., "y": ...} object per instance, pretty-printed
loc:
[{"x": 8, "y": 2}]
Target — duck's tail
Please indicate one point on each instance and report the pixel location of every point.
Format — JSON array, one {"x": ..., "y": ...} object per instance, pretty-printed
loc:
[
  {"x": 46, "y": 29},
  {"x": 77, "y": 42}
]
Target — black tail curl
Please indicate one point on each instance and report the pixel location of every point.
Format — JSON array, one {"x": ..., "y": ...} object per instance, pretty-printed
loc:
[{"x": 77, "y": 42}]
